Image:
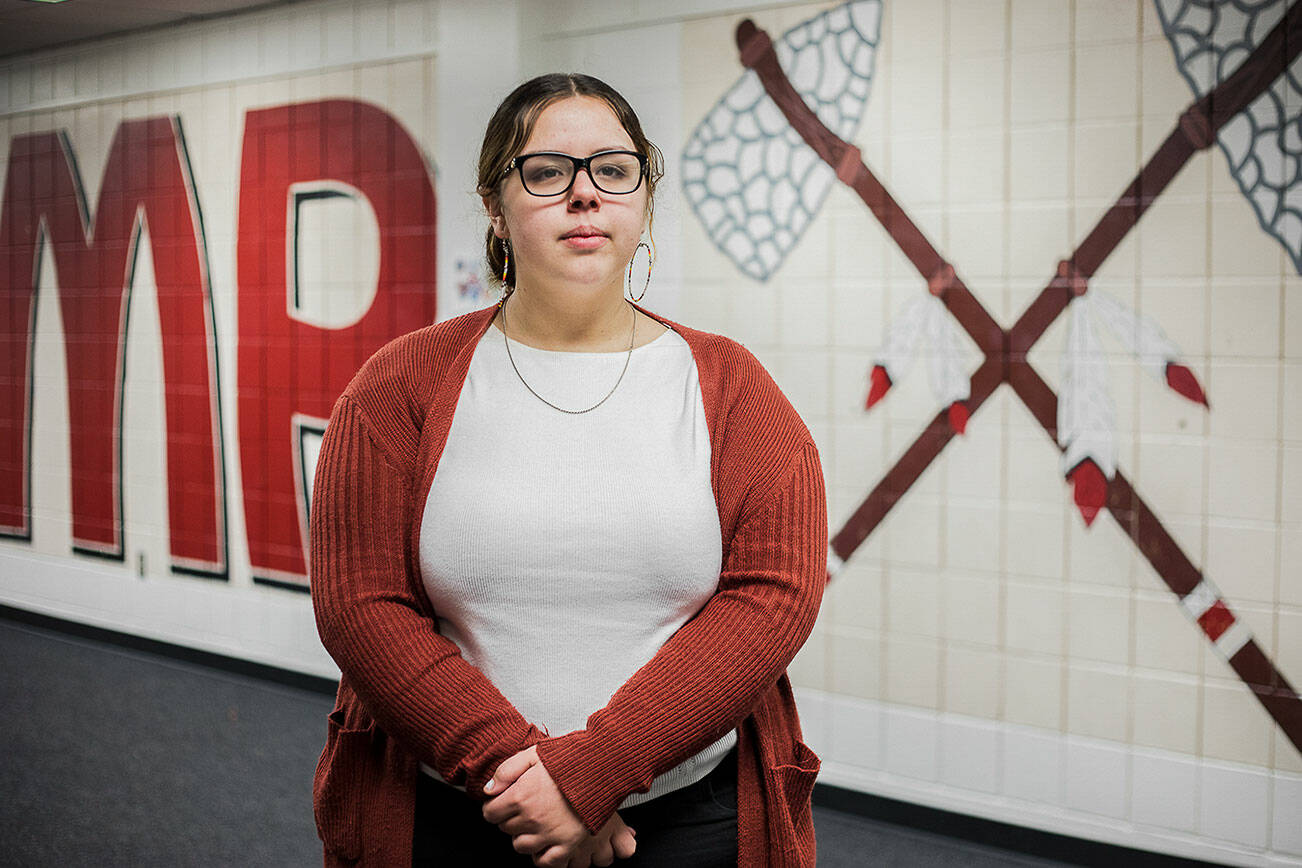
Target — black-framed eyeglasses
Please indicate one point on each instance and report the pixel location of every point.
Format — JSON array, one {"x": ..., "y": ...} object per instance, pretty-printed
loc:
[{"x": 551, "y": 173}]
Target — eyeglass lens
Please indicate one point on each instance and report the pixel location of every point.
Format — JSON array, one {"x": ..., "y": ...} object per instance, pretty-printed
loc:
[{"x": 550, "y": 174}]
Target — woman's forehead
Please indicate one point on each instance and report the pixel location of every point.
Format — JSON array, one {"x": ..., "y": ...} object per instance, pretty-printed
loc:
[{"x": 578, "y": 125}]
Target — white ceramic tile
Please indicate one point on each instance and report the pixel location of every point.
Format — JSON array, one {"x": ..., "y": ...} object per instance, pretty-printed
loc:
[
  {"x": 855, "y": 662},
  {"x": 274, "y": 35},
  {"x": 43, "y": 80},
  {"x": 914, "y": 84},
  {"x": 803, "y": 314},
  {"x": 913, "y": 531},
  {"x": 1107, "y": 21},
  {"x": 854, "y": 596},
  {"x": 755, "y": 323},
  {"x": 970, "y": 755},
  {"x": 1238, "y": 246},
  {"x": 1106, "y": 158},
  {"x": 912, "y": 671},
  {"x": 857, "y": 455},
  {"x": 1234, "y": 804},
  {"x": 1034, "y": 617},
  {"x": 1287, "y": 653},
  {"x": 1035, "y": 542},
  {"x": 1033, "y": 766},
  {"x": 1040, "y": 157},
  {"x": 1244, "y": 319},
  {"x": 1098, "y": 702},
  {"x": 1247, "y": 400},
  {"x": 1292, "y": 322},
  {"x": 977, "y": 27},
  {"x": 809, "y": 668},
  {"x": 917, "y": 170},
  {"x": 1242, "y": 483},
  {"x": 1040, "y": 87},
  {"x": 913, "y": 600},
  {"x": 974, "y": 681},
  {"x": 1040, "y": 24},
  {"x": 1173, "y": 239},
  {"x": 1033, "y": 691},
  {"x": 1241, "y": 557},
  {"x": 137, "y": 66},
  {"x": 1164, "y": 791},
  {"x": 971, "y": 609},
  {"x": 1291, "y": 504},
  {"x": 850, "y": 383},
  {"x": 911, "y": 742},
  {"x": 976, "y": 231},
  {"x": 1290, "y": 592},
  {"x": 803, "y": 377},
  {"x": 305, "y": 36},
  {"x": 1286, "y": 828},
  {"x": 1166, "y": 712},
  {"x": 1292, "y": 404},
  {"x": 1038, "y": 239},
  {"x": 977, "y": 86},
  {"x": 1235, "y": 727},
  {"x": 1099, "y": 625},
  {"x": 855, "y": 732},
  {"x": 1107, "y": 82},
  {"x": 1170, "y": 473},
  {"x": 1097, "y": 777}
]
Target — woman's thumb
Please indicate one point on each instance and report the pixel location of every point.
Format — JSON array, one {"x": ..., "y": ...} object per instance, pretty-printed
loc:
[{"x": 507, "y": 773}]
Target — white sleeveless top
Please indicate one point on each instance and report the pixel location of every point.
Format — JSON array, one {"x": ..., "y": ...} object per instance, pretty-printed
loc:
[{"x": 561, "y": 551}]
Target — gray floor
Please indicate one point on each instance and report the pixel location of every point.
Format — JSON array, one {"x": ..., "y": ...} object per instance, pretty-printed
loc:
[{"x": 117, "y": 757}]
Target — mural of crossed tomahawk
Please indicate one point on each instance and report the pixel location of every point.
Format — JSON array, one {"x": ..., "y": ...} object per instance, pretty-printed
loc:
[{"x": 1005, "y": 350}]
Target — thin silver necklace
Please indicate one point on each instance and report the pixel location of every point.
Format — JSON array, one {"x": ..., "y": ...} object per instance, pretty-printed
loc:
[{"x": 627, "y": 358}]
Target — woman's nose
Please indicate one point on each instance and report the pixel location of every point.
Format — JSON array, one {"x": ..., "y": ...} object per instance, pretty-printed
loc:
[{"x": 584, "y": 193}]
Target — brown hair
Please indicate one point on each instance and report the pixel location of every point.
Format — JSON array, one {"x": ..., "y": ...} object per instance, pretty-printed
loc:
[{"x": 512, "y": 124}]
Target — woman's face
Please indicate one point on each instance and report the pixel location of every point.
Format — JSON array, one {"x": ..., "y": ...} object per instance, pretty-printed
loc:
[{"x": 581, "y": 239}]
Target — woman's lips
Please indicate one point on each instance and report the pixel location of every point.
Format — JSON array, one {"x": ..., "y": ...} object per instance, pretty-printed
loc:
[{"x": 584, "y": 239}]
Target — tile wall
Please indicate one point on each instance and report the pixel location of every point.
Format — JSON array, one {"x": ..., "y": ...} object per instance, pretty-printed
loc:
[{"x": 982, "y": 649}]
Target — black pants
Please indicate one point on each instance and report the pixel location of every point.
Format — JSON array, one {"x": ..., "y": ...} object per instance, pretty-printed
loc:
[{"x": 691, "y": 827}]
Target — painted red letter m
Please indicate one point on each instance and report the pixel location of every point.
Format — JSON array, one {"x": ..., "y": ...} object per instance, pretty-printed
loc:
[{"x": 146, "y": 188}]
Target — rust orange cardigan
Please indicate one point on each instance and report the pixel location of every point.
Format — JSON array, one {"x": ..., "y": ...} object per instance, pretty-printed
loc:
[{"x": 406, "y": 694}]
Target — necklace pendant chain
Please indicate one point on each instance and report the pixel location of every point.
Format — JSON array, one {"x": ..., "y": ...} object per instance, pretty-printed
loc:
[{"x": 627, "y": 358}]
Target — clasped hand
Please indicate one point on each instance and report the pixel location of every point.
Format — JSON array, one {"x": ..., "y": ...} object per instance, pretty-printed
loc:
[{"x": 527, "y": 805}]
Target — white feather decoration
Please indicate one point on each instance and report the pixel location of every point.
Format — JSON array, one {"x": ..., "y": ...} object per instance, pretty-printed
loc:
[
  {"x": 901, "y": 337},
  {"x": 1086, "y": 414},
  {"x": 1134, "y": 331},
  {"x": 948, "y": 382}
]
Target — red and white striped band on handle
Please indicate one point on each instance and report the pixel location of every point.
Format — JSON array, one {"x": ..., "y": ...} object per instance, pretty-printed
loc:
[
  {"x": 834, "y": 562},
  {"x": 1208, "y": 610}
]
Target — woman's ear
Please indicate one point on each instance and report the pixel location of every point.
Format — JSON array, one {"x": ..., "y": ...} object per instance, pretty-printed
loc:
[{"x": 493, "y": 205}]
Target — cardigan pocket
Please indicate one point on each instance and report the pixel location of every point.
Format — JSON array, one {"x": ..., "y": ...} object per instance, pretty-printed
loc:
[
  {"x": 337, "y": 791},
  {"x": 793, "y": 784}
]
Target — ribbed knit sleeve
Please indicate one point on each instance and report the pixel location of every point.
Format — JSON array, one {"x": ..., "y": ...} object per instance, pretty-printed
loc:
[
  {"x": 412, "y": 680},
  {"x": 708, "y": 677}
]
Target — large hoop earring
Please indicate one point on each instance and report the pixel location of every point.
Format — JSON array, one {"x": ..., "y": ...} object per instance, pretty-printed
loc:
[
  {"x": 506, "y": 260},
  {"x": 650, "y": 264}
]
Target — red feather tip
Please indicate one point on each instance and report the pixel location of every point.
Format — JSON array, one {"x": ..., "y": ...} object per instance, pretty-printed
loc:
[
  {"x": 881, "y": 383},
  {"x": 1182, "y": 380},
  {"x": 1090, "y": 489},
  {"x": 958, "y": 416}
]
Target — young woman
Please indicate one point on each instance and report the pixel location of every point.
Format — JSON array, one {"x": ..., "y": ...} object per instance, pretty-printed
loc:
[{"x": 563, "y": 550}]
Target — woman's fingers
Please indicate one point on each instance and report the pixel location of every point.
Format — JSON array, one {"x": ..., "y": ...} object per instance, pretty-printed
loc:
[
  {"x": 528, "y": 844},
  {"x": 603, "y": 855},
  {"x": 507, "y": 772},
  {"x": 518, "y": 825},
  {"x": 497, "y": 811},
  {"x": 623, "y": 843},
  {"x": 552, "y": 857}
]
